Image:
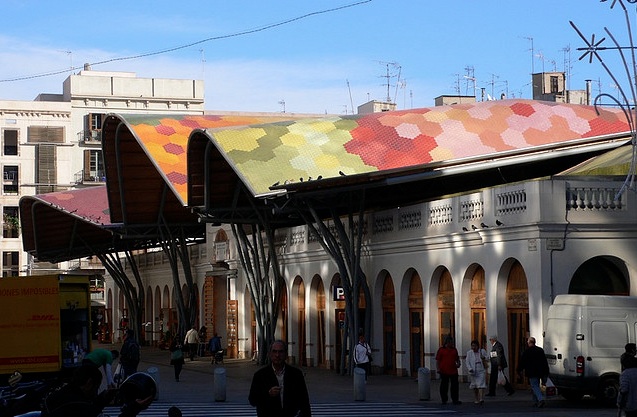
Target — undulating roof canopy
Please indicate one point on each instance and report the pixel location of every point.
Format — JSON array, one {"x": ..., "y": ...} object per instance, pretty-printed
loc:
[
  {"x": 66, "y": 225},
  {"x": 159, "y": 168},
  {"x": 610, "y": 164}
]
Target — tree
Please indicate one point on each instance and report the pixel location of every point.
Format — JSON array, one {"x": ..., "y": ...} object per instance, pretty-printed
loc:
[
  {"x": 344, "y": 247},
  {"x": 133, "y": 293},
  {"x": 264, "y": 278},
  {"x": 175, "y": 246}
]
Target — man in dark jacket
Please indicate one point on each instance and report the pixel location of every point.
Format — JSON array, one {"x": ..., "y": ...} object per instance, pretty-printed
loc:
[
  {"x": 627, "y": 359},
  {"x": 129, "y": 354},
  {"x": 534, "y": 365},
  {"x": 279, "y": 389},
  {"x": 498, "y": 363}
]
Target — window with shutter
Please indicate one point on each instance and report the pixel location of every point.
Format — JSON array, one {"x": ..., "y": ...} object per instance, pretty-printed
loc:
[
  {"x": 45, "y": 134},
  {"x": 10, "y": 264},
  {"x": 46, "y": 169}
]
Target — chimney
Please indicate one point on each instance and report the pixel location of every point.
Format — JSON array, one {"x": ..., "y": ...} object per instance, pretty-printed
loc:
[{"x": 588, "y": 92}]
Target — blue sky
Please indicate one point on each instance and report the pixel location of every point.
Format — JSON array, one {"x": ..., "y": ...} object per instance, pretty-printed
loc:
[{"x": 321, "y": 63}]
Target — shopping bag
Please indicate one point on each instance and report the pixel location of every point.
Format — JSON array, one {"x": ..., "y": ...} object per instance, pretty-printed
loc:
[
  {"x": 118, "y": 376},
  {"x": 502, "y": 379},
  {"x": 550, "y": 390}
]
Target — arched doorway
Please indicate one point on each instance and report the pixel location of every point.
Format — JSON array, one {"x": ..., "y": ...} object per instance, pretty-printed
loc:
[
  {"x": 478, "y": 305},
  {"x": 446, "y": 308},
  {"x": 518, "y": 318},
  {"x": 586, "y": 279},
  {"x": 416, "y": 337},
  {"x": 389, "y": 325}
]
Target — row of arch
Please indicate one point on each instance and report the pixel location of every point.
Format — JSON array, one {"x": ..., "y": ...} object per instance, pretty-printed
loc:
[{"x": 410, "y": 320}]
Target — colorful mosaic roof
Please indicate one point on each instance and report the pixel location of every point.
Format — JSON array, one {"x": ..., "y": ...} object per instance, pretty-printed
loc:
[
  {"x": 265, "y": 151},
  {"x": 612, "y": 163},
  {"x": 165, "y": 139},
  {"x": 89, "y": 204},
  {"x": 289, "y": 151}
]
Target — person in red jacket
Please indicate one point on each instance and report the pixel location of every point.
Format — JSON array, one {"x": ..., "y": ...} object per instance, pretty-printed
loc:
[{"x": 448, "y": 362}]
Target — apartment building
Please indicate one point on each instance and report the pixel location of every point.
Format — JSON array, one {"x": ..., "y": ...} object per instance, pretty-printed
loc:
[{"x": 53, "y": 143}]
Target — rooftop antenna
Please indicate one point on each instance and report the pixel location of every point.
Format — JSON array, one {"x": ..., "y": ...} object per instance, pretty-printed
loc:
[
  {"x": 388, "y": 76},
  {"x": 203, "y": 63},
  {"x": 567, "y": 65},
  {"x": 351, "y": 102},
  {"x": 470, "y": 77},
  {"x": 403, "y": 86},
  {"x": 398, "y": 81},
  {"x": 493, "y": 77},
  {"x": 457, "y": 84}
]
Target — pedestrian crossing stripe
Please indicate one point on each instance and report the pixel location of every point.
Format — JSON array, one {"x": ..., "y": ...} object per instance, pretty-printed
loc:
[{"x": 371, "y": 409}]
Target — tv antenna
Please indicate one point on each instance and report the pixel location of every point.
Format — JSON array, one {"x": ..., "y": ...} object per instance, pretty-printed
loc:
[
  {"x": 389, "y": 74},
  {"x": 470, "y": 78},
  {"x": 203, "y": 63}
]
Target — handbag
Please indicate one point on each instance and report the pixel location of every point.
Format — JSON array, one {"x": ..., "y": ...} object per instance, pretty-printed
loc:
[
  {"x": 502, "y": 379},
  {"x": 176, "y": 354},
  {"x": 550, "y": 390}
]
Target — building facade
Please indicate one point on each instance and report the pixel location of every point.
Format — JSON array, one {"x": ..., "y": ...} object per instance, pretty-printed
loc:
[
  {"x": 471, "y": 265},
  {"x": 53, "y": 143}
]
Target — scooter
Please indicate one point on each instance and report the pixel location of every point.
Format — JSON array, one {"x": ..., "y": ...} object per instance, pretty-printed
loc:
[{"x": 22, "y": 397}]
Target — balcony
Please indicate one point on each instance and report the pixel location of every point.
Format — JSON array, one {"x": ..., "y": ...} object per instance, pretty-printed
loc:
[
  {"x": 90, "y": 177},
  {"x": 90, "y": 137}
]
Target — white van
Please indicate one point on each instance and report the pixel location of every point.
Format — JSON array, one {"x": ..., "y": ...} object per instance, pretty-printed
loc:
[{"x": 585, "y": 336}]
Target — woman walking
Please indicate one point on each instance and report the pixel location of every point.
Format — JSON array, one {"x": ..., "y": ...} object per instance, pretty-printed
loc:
[
  {"x": 476, "y": 360},
  {"x": 176, "y": 357}
]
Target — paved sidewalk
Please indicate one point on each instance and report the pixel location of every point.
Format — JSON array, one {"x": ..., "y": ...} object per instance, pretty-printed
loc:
[{"x": 326, "y": 387}]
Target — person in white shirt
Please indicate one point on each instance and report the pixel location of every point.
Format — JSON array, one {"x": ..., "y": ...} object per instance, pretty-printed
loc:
[
  {"x": 363, "y": 355},
  {"x": 475, "y": 362},
  {"x": 192, "y": 341}
]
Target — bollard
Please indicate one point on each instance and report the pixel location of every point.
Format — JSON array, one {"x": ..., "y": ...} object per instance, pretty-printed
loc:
[
  {"x": 359, "y": 384},
  {"x": 424, "y": 384},
  {"x": 220, "y": 384},
  {"x": 154, "y": 373}
]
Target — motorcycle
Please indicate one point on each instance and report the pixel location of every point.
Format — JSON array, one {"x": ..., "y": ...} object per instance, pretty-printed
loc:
[{"x": 22, "y": 397}]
